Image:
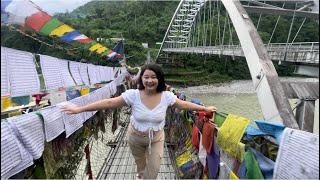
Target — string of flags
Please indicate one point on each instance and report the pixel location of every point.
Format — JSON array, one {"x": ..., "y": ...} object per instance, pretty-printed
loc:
[{"x": 27, "y": 14}]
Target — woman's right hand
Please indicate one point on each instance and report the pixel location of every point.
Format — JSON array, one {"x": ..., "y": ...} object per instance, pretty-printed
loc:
[
  {"x": 71, "y": 109},
  {"x": 210, "y": 109}
]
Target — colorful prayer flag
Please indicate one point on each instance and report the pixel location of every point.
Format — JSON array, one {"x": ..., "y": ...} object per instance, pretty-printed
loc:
[
  {"x": 111, "y": 54},
  {"x": 105, "y": 53},
  {"x": 61, "y": 30},
  {"x": 101, "y": 50},
  {"x": 253, "y": 169},
  {"x": 5, "y": 103},
  {"x": 25, "y": 12},
  {"x": 37, "y": 20},
  {"x": 84, "y": 91},
  {"x": 49, "y": 26},
  {"x": 69, "y": 37},
  {"x": 183, "y": 158},
  {"x": 232, "y": 175},
  {"x": 95, "y": 47},
  {"x": 230, "y": 134},
  {"x": 117, "y": 52},
  {"x": 83, "y": 39}
]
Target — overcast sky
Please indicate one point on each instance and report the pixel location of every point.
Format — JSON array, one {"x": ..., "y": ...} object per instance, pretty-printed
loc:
[{"x": 59, "y": 6}]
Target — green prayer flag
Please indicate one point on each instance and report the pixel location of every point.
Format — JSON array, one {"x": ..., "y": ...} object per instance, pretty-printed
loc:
[
  {"x": 105, "y": 53},
  {"x": 253, "y": 169},
  {"x": 50, "y": 26},
  {"x": 219, "y": 119},
  {"x": 88, "y": 45}
]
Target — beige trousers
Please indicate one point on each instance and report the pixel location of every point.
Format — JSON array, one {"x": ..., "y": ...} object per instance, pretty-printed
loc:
[{"x": 148, "y": 160}]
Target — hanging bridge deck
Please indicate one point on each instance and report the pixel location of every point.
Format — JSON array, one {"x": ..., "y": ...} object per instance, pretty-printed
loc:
[
  {"x": 307, "y": 53},
  {"x": 120, "y": 163}
]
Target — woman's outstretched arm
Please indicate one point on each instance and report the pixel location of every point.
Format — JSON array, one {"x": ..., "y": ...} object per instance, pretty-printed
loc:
[
  {"x": 193, "y": 107},
  {"x": 110, "y": 103}
]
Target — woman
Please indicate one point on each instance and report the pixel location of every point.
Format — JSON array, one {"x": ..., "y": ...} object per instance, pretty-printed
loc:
[{"x": 149, "y": 104}]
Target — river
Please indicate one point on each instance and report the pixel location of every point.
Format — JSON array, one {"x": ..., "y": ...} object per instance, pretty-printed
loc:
[{"x": 237, "y": 97}]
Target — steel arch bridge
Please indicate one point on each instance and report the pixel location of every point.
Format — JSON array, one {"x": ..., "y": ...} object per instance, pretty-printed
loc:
[{"x": 181, "y": 37}]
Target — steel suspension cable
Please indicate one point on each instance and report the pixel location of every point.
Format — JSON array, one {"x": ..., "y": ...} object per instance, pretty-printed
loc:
[
  {"x": 304, "y": 20},
  {"x": 218, "y": 31},
  {"x": 276, "y": 25},
  {"x": 199, "y": 28},
  {"x": 259, "y": 21},
  {"x": 204, "y": 36},
  {"x": 230, "y": 32},
  {"x": 291, "y": 25},
  {"x": 224, "y": 27},
  {"x": 290, "y": 30},
  {"x": 231, "y": 37},
  {"x": 211, "y": 17},
  {"x": 193, "y": 35}
]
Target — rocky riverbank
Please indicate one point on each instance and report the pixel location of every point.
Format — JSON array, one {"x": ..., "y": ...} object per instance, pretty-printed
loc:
[{"x": 237, "y": 86}]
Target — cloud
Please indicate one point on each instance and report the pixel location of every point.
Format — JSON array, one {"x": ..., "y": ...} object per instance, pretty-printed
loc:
[{"x": 59, "y": 6}]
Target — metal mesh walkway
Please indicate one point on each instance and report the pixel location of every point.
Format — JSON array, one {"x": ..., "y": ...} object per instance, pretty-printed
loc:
[{"x": 120, "y": 163}]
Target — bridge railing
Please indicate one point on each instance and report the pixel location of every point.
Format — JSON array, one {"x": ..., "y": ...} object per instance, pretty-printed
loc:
[
  {"x": 306, "y": 46},
  {"x": 299, "y": 52},
  {"x": 290, "y": 47},
  {"x": 303, "y": 52}
]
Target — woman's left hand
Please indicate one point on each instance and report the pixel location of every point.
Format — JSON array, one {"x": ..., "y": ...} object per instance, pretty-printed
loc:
[{"x": 210, "y": 109}]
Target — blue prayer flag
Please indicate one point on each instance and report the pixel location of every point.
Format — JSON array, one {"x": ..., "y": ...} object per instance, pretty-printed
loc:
[{"x": 70, "y": 36}]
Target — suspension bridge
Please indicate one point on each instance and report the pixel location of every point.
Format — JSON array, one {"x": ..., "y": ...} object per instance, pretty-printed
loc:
[{"x": 223, "y": 28}]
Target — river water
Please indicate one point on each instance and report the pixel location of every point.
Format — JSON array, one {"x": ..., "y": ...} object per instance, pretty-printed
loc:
[
  {"x": 245, "y": 105},
  {"x": 237, "y": 97}
]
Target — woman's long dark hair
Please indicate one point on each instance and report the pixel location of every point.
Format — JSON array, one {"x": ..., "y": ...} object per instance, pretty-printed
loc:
[{"x": 159, "y": 73}]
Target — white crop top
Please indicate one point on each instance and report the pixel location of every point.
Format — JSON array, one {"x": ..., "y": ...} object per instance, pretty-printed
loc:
[{"x": 142, "y": 118}]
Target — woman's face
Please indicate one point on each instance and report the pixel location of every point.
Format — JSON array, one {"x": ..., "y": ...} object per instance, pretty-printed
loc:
[{"x": 149, "y": 80}]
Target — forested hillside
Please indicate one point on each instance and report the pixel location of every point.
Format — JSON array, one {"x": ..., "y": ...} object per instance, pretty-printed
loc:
[{"x": 146, "y": 22}]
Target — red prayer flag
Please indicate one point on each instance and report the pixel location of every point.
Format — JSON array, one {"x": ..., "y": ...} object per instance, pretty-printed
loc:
[
  {"x": 84, "y": 41},
  {"x": 37, "y": 20}
]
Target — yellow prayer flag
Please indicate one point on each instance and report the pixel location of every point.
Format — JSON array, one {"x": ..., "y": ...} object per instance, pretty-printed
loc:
[
  {"x": 61, "y": 30},
  {"x": 5, "y": 103},
  {"x": 232, "y": 175},
  {"x": 183, "y": 158},
  {"x": 101, "y": 50},
  {"x": 95, "y": 47},
  {"x": 188, "y": 143},
  {"x": 84, "y": 91},
  {"x": 230, "y": 134},
  {"x": 240, "y": 151}
]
